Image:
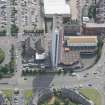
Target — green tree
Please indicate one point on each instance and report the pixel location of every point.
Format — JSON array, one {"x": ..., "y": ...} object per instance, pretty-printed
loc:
[
  {"x": 66, "y": 102},
  {"x": 14, "y": 30},
  {"x": 1, "y": 75},
  {"x": 92, "y": 12},
  {"x": 4, "y": 70},
  {"x": 3, "y": 33},
  {"x": 56, "y": 102}
]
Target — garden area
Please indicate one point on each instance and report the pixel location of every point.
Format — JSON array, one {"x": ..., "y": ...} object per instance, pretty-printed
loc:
[{"x": 91, "y": 94}]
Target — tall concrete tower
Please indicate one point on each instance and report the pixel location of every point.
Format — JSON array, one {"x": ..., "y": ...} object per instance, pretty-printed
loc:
[{"x": 55, "y": 48}]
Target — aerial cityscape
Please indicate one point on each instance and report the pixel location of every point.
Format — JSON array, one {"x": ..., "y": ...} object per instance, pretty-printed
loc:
[{"x": 52, "y": 52}]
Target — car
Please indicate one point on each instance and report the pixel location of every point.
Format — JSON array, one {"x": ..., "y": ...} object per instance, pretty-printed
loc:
[
  {"x": 87, "y": 73},
  {"x": 15, "y": 98},
  {"x": 80, "y": 86},
  {"x": 95, "y": 73},
  {"x": 90, "y": 84},
  {"x": 97, "y": 77},
  {"x": 74, "y": 74},
  {"x": 85, "y": 76},
  {"x": 25, "y": 78}
]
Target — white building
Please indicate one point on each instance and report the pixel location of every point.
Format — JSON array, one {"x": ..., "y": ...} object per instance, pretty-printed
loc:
[{"x": 56, "y": 7}]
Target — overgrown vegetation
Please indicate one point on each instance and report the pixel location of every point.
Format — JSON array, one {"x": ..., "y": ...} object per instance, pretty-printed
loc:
[
  {"x": 3, "y": 33},
  {"x": 39, "y": 71},
  {"x": 99, "y": 49},
  {"x": 2, "y": 55},
  {"x": 8, "y": 69},
  {"x": 8, "y": 93},
  {"x": 14, "y": 29},
  {"x": 92, "y": 12}
]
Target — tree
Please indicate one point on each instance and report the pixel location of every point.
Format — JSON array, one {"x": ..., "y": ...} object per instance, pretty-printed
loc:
[
  {"x": 23, "y": 72},
  {"x": 66, "y": 102},
  {"x": 92, "y": 12},
  {"x": 2, "y": 55},
  {"x": 56, "y": 102},
  {"x": 4, "y": 70},
  {"x": 14, "y": 29},
  {"x": 1, "y": 75},
  {"x": 3, "y": 33}
]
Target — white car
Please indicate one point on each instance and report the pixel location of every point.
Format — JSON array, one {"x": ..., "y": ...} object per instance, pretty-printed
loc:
[
  {"x": 74, "y": 74},
  {"x": 80, "y": 86}
]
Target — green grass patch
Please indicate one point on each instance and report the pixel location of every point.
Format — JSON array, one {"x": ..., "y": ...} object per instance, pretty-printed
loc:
[
  {"x": 91, "y": 94},
  {"x": 28, "y": 95}
]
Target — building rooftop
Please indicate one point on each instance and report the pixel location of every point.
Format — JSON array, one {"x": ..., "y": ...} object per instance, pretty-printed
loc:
[
  {"x": 95, "y": 25},
  {"x": 56, "y": 7},
  {"x": 81, "y": 40},
  {"x": 70, "y": 57}
]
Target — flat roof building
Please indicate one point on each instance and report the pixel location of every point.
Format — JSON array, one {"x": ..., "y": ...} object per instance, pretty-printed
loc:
[
  {"x": 95, "y": 25},
  {"x": 56, "y": 7},
  {"x": 82, "y": 41},
  {"x": 72, "y": 30},
  {"x": 93, "y": 29},
  {"x": 76, "y": 46}
]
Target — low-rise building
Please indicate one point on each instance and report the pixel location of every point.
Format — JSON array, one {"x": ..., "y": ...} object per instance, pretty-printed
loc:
[
  {"x": 72, "y": 29},
  {"x": 75, "y": 46},
  {"x": 93, "y": 29},
  {"x": 82, "y": 44}
]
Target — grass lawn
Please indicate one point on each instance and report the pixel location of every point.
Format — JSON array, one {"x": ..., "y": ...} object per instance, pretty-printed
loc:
[
  {"x": 28, "y": 95},
  {"x": 92, "y": 94}
]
